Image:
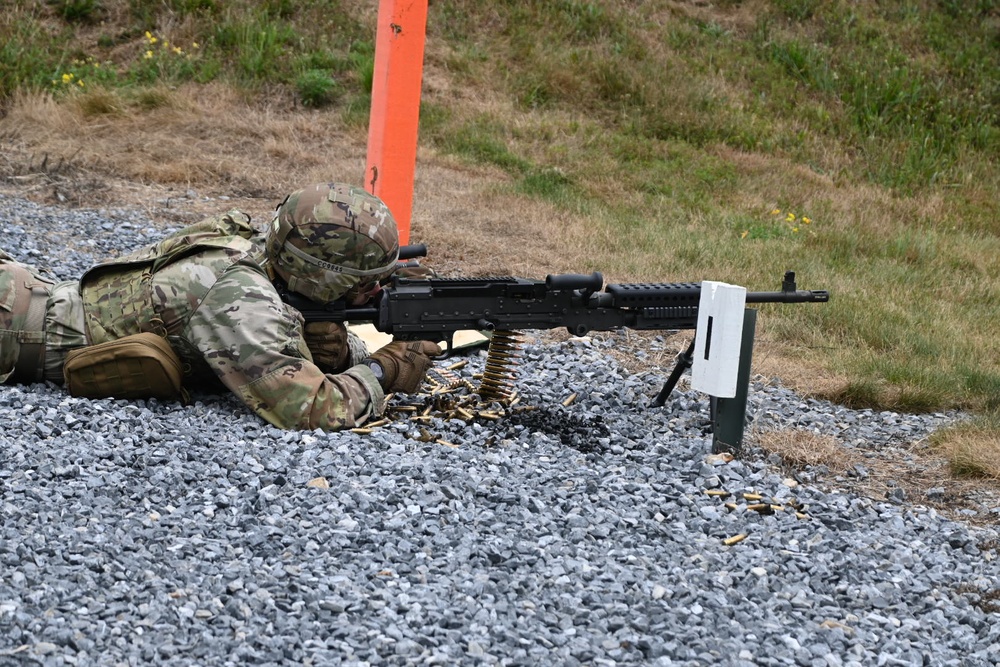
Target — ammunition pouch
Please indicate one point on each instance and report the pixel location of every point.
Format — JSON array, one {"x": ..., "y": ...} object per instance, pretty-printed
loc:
[{"x": 139, "y": 366}]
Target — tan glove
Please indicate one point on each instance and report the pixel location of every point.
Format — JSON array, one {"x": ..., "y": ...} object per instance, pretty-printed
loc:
[
  {"x": 415, "y": 272},
  {"x": 327, "y": 341},
  {"x": 404, "y": 365}
]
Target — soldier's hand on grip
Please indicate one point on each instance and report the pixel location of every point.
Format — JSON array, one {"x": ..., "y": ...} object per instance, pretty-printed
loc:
[
  {"x": 405, "y": 364},
  {"x": 327, "y": 341}
]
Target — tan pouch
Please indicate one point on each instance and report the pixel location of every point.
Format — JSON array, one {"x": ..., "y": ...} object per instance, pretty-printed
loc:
[{"x": 142, "y": 365}]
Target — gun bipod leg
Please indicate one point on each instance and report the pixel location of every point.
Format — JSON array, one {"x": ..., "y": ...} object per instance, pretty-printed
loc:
[{"x": 683, "y": 363}]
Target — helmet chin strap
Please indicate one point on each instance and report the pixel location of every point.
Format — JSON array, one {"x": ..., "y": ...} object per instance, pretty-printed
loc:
[{"x": 337, "y": 268}]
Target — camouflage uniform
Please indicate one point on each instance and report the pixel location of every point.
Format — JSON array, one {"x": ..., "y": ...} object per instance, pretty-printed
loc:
[{"x": 209, "y": 289}]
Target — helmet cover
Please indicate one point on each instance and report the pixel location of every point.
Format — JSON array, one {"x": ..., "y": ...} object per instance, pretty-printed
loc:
[{"x": 327, "y": 238}]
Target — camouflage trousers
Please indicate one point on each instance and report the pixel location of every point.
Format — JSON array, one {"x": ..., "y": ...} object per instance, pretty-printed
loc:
[{"x": 40, "y": 321}]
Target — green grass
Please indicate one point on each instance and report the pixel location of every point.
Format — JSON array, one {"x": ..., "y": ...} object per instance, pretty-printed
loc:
[
  {"x": 251, "y": 45},
  {"x": 677, "y": 135}
]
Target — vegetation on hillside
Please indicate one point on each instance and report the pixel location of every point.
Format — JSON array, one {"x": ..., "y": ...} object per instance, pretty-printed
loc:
[{"x": 855, "y": 141}]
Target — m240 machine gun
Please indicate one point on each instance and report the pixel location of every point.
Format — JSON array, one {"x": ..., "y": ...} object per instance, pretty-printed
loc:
[{"x": 435, "y": 309}]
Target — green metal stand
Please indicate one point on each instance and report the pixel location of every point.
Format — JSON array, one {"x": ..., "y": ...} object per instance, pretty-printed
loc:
[{"x": 729, "y": 415}]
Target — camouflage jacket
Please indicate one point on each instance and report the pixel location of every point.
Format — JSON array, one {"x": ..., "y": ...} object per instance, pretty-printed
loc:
[{"x": 208, "y": 289}]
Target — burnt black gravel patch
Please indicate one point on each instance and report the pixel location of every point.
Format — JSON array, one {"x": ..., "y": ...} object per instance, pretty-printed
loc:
[{"x": 584, "y": 433}]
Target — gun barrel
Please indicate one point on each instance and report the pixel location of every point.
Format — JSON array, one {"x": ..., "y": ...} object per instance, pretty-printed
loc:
[{"x": 797, "y": 296}]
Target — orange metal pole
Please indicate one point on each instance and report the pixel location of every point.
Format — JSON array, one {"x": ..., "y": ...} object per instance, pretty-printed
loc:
[{"x": 395, "y": 111}]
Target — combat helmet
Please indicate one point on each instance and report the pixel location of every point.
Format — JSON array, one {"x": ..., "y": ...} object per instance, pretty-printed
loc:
[{"x": 326, "y": 239}]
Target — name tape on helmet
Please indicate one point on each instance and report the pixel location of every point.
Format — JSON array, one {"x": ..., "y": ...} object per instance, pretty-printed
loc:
[{"x": 336, "y": 268}]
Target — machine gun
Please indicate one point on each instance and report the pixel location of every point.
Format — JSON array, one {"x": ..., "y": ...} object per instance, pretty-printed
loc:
[{"x": 434, "y": 309}]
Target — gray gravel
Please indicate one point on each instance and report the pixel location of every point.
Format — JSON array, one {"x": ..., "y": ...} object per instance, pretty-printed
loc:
[{"x": 142, "y": 533}]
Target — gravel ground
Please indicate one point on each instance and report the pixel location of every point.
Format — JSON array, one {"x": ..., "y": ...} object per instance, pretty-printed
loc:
[{"x": 146, "y": 532}]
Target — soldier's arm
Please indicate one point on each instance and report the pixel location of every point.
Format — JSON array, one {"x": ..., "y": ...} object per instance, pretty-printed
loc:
[{"x": 254, "y": 344}]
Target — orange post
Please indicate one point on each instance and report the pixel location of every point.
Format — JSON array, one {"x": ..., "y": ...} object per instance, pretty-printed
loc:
[{"x": 395, "y": 112}]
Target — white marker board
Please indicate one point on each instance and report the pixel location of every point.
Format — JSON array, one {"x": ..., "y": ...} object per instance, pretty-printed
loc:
[{"x": 718, "y": 338}]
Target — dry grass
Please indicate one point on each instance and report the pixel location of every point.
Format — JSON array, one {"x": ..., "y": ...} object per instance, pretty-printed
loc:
[
  {"x": 924, "y": 474},
  {"x": 210, "y": 140},
  {"x": 800, "y": 448},
  {"x": 974, "y": 454}
]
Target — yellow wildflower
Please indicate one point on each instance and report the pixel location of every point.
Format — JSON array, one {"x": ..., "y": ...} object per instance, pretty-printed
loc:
[
  {"x": 790, "y": 217},
  {"x": 795, "y": 230},
  {"x": 148, "y": 55},
  {"x": 80, "y": 83},
  {"x": 177, "y": 50},
  {"x": 776, "y": 211},
  {"x": 194, "y": 45},
  {"x": 806, "y": 220},
  {"x": 67, "y": 78}
]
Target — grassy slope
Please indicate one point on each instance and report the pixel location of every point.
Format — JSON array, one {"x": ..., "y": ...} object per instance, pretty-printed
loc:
[{"x": 699, "y": 140}]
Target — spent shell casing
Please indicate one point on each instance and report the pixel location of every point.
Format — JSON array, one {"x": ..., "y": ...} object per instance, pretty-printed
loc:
[
  {"x": 569, "y": 400},
  {"x": 735, "y": 539},
  {"x": 458, "y": 365}
]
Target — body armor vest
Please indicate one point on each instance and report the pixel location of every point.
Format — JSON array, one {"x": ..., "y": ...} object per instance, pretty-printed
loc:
[{"x": 118, "y": 294}]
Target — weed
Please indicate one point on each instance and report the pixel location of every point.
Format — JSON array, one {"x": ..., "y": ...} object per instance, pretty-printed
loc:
[
  {"x": 78, "y": 11},
  {"x": 797, "y": 10},
  {"x": 316, "y": 88},
  {"x": 549, "y": 183},
  {"x": 782, "y": 225},
  {"x": 161, "y": 61},
  {"x": 362, "y": 58}
]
